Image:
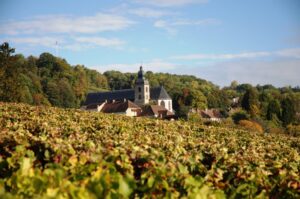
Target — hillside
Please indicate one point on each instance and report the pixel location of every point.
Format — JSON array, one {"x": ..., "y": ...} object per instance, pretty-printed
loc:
[{"x": 65, "y": 153}]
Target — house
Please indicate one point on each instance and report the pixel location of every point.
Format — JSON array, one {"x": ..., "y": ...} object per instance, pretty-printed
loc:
[
  {"x": 126, "y": 107},
  {"x": 211, "y": 115},
  {"x": 157, "y": 111},
  {"x": 139, "y": 96},
  {"x": 94, "y": 107}
]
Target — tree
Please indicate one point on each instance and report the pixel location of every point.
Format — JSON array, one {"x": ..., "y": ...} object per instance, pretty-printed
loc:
[
  {"x": 250, "y": 101},
  {"x": 197, "y": 100},
  {"x": 288, "y": 111},
  {"x": 234, "y": 84},
  {"x": 274, "y": 109},
  {"x": 240, "y": 115},
  {"x": 67, "y": 96},
  {"x": 10, "y": 87}
]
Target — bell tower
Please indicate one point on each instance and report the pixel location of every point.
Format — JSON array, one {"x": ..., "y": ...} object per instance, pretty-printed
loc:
[{"x": 142, "y": 89}]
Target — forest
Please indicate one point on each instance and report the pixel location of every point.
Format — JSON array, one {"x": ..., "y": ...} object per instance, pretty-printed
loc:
[{"x": 52, "y": 81}]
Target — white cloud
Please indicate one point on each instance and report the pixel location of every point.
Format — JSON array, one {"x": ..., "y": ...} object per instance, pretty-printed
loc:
[
  {"x": 279, "y": 72},
  {"x": 293, "y": 52},
  {"x": 171, "y": 26},
  {"x": 149, "y": 13},
  {"x": 37, "y": 41},
  {"x": 100, "y": 41},
  {"x": 164, "y": 25},
  {"x": 221, "y": 56},
  {"x": 289, "y": 53},
  {"x": 67, "y": 24},
  {"x": 155, "y": 65},
  {"x": 170, "y": 3},
  {"x": 185, "y": 22},
  {"x": 71, "y": 43}
]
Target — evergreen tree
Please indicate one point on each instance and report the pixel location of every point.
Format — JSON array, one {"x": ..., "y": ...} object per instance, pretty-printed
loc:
[
  {"x": 274, "y": 109},
  {"x": 250, "y": 101},
  {"x": 10, "y": 86},
  {"x": 288, "y": 111}
]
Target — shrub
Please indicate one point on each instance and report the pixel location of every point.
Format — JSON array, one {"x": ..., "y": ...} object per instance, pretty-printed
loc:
[
  {"x": 195, "y": 117},
  {"x": 276, "y": 130},
  {"x": 241, "y": 115},
  {"x": 293, "y": 130},
  {"x": 251, "y": 125}
]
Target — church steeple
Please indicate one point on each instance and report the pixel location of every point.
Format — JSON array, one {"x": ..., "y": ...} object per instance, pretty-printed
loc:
[
  {"x": 142, "y": 90},
  {"x": 141, "y": 73}
]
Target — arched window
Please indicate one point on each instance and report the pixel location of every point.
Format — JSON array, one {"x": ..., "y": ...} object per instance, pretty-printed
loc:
[
  {"x": 162, "y": 103},
  {"x": 140, "y": 89}
]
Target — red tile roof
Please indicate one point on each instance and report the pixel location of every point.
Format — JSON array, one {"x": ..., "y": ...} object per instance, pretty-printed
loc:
[
  {"x": 157, "y": 110},
  {"x": 211, "y": 113}
]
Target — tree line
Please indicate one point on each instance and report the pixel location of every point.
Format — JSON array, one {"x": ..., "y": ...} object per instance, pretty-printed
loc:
[{"x": 50, "y": 80}]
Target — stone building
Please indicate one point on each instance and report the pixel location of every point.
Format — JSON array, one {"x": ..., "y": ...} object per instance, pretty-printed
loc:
[{"x": 142, "y": 94}]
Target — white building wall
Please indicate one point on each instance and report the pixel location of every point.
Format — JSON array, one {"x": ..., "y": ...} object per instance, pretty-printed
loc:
[
  {"x": 131, "y": 113},
  {"x": 166, "y": 103}
]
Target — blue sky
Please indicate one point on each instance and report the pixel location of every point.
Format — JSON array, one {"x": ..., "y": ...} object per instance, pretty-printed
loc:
[{"x": 254, "y": 41}]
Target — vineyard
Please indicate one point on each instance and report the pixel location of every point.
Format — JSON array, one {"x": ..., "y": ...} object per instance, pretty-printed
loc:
[{"x": 66, "y": 153}]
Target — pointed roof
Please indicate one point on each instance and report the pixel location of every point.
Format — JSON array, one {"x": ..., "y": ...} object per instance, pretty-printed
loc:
[
  {"x": 159, "y": 93},
  {"x": 141, "y": 79}
]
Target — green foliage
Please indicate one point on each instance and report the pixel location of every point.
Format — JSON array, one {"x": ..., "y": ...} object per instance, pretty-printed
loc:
[
  {"x": 240, "y": 115},
  {"x": 195, "y": 117},
  {"x": 50, "y": 80},
  {"x": 197, "y": 100},
  {"x": 274, "y": 110},
  {"x": 10, "y": 85},
  {"x": 250, "y": 101},
  {"x": 219, "y": 99},
  {"x": 63, "y": 153},
  {"x": 47, "y": 80},
  {"x": 288, "y": 111}
]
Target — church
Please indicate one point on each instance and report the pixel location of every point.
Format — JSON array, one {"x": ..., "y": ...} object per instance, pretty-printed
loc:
[{"x": 139, "y": 101}]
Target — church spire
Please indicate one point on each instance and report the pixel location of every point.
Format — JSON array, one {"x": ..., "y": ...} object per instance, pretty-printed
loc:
[
  {"x": 142, "y": 90},
  {"x": 141, "y": 73}
]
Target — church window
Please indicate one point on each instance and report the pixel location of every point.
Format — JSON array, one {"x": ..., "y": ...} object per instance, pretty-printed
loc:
[
  {"x": 146, "y": 89},
  {"x": 140, "y": 90},
  {"x": 162, "y": 103},
  {"x": 140, "y": 97}
]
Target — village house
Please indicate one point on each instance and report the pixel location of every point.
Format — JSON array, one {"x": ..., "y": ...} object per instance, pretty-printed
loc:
[
  {"x": 213, "y": 115},
  {"x": 133, "y": 102},
  {"x": 157, "y": 112}
]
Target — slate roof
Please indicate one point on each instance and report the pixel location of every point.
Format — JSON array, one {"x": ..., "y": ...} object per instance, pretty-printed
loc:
[
  {"x": 93, "y": 106},
  {"x": 159, "y": 93},
  {"x": 128, "y": 94},
  {"x": 118, "y": 107},
  {"x": 119, "y": 95}
]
